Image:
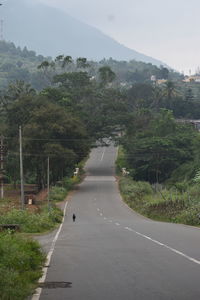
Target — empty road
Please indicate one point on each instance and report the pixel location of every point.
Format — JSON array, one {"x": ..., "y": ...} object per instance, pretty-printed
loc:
[{"x": 112, "y": 253}]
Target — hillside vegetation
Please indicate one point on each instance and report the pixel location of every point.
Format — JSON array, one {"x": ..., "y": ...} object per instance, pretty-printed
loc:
[
  {"x": 21, "y": 261},
  {"x": 19, "y": 64},
  {"x": 86, "y": 101},
  {"x": 76, "y": 104},
  {"x": 22, "y": 64}
]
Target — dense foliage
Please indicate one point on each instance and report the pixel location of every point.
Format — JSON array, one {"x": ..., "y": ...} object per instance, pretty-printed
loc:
[
  {"x": 64, "y": 106},
  {"x": 172, "y": 205},
  {"x": 33, "y": 223},
  {"x": 82, "y": 102},
  {"x": 21, "y": 263},
  {"x": 48, "y": 131},
  {"x": 26, "y": 65},
  {"x": 19, "y": 64},
  {"x": 156, "y": 145},
  {"x": 60, "y": 122}
]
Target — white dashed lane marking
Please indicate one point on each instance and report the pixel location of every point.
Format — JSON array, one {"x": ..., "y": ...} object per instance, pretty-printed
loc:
[
  {"x": 156, "y": 242},
  {"x": 129, "y": 229},
  {"x": 165, "y": 246},
  {"x": 104, "y": 150}
]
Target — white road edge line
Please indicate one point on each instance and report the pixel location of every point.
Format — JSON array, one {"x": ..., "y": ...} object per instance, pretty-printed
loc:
[
  {"x": 129, "y": 229},
  {"x": 38, "y": 291},
  {"x": 104, "y": 150},
  {"x": 165, "y": 246}
]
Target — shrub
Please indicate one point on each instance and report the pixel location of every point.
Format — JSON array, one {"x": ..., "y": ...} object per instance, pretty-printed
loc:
[
  {"x": 33, "y": 223},
  {"x": 21, "y": 261},
  {"x": 189, "y": 216},
  {"x": 68, "y": 183},
  {"x": 58, "y": 193},
  {"x": 133, "y": 190}
]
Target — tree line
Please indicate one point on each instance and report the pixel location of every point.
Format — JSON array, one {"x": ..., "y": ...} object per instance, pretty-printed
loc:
[
  {"x": 65, "y": 119},
  {"x": 22, "y": 64},
  {"x": 61, "y": 122}
]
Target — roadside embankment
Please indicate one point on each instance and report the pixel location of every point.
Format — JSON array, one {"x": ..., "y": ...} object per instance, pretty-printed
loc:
[
  {"x": 162, "y": 204},
  {"x": 21, "y": 257},
  {"x": 21, "y": 261}
]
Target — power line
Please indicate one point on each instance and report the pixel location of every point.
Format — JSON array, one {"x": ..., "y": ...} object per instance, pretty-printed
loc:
[
  {"x": 31, "y": 139},
  {"x": 39, "y": 155},
  {"x": 138, "y": 155},
  {"x": 1, "y": 29},
  {"x": 21, "y": 167}
]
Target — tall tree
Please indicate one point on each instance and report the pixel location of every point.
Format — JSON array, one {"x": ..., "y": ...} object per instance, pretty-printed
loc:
[
  {"x": 48, "y": 130},
  {"x": 106, "y": 75},
  {"x": 155, "y": 151}
]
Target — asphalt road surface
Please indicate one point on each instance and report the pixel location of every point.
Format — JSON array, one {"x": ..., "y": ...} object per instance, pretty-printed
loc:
[{"x": 112, "y": 253}]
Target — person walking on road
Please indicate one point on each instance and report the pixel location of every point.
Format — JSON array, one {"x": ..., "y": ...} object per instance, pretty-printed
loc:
[{"x": 74, "y": 217}]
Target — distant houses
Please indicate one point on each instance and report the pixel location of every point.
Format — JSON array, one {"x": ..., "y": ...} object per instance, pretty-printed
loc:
[
  {"x": 195, "y": 123},
  {"x": 194, "y": 78}
]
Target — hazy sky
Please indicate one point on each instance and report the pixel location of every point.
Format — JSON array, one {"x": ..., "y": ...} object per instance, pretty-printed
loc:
[{"x": 166, "y": 30}]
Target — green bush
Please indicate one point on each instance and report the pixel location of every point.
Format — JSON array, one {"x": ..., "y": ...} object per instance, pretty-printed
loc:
[
  {"x": 21, "y": 261},
  {"x": 174, "y": 205},
  {"x": 194, "y": 192},
  {"x": 121, "y": 161},
  {"x": 33, "y": 223},
  {"x": 58, "y": 193},
  {"x": 184, "y": 173},
  {"x": 189, "y": 216},
  {"x": 181, "y": 186},
  {"x": 68, "y": 183},
  {"x": 134, "y": 190}
]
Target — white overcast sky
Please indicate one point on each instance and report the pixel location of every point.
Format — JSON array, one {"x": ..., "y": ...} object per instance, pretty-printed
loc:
[{"x": 166, "y": 30}]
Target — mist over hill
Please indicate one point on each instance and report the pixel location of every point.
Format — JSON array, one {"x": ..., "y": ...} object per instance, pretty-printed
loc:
[{"x": 51, "y": 32}]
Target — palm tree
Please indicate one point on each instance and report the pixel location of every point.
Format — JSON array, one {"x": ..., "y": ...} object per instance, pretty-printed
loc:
[
  {"x": 66, "y": 61},
  {"x": 170, "y": 90}
]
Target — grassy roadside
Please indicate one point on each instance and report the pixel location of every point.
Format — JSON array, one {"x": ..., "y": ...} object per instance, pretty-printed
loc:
[
  {"x": 21, "y": 261},
  {"x": 175, "y": 205},
  {"x": 21, "y": 258},
  {"x": 43, "y": 216}
]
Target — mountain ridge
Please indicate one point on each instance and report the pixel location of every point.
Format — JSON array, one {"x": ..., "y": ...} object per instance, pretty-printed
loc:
[{"x": 51, "y": 32}]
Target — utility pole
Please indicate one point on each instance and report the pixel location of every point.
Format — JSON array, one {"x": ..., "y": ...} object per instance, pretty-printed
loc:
[
  {"x": 1, "y": 29},
  {"x": 2, "y": 152},
  {"x": 21, "y": 167},
  {"x": 48, "y": 200}
]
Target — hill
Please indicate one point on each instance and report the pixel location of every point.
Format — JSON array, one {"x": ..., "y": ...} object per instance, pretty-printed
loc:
[
  {"x": 19, "y": 64},
  {"x": 51, "y": 32},
  {"x": 22, "y": 64}
]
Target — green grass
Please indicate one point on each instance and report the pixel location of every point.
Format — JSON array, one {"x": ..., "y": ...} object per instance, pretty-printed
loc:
[
  {"x": 21, "y": 258},
  {"x": 43, "y": 221},
  {"x": 179, "y": 203},
  {"x": 163, "y": 205},
  {"x": 121, "y": 161},
  {"x": 46, "y": 218},
  {"x": 58, "y": 193},
  {"x": 21, "y": 261}
]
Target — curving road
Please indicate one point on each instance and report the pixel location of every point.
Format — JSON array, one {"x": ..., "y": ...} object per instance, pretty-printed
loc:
[{"x": 112, "y": 253}]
